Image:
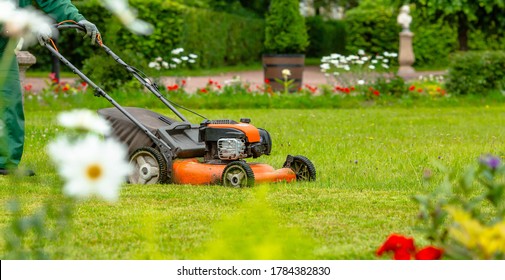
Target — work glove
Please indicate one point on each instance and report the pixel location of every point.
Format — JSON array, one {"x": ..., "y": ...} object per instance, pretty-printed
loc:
[
  {"x": 91, "y": 30},
  {"x": 43, "y": 33}
]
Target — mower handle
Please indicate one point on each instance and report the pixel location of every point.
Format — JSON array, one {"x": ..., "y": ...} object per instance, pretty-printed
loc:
[{"x": 70, "y": 26}]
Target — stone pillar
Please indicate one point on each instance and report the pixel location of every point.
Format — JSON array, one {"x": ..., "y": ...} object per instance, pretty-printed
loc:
[
  {"x": 25, "y": 60},
  {"x": 406, "y": 54}
]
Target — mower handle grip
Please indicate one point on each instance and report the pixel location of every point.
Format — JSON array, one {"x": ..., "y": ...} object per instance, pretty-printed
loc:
[{"x": 70, "y": 26}]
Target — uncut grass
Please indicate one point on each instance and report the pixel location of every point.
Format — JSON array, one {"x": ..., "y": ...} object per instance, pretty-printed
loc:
[{"x": 369, "y": 164}]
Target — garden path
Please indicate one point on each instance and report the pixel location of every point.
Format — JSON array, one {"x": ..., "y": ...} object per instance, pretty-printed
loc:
[{"x": 311, "y": 76}]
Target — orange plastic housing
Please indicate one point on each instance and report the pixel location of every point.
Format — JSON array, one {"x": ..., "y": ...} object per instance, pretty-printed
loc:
[
  {"x": 193, "y": 172},
  {"x": 252, "y": 133}
]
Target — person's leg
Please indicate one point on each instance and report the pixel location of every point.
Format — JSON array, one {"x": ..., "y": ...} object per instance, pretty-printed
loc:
[{"x": 12, "y": 115}]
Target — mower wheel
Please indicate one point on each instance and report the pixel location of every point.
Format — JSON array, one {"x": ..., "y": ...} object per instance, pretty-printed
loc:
[
  {"x": 149, "y": 167},
  {"x": 302, "y": 166},
  {"x": 237, "y": 174}
]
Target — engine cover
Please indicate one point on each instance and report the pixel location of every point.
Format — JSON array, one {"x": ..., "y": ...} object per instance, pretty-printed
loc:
[{"x": 231, "y": 148}]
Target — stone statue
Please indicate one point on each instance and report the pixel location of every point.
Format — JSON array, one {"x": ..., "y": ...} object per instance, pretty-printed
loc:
[{"x": 404, "y": 19}]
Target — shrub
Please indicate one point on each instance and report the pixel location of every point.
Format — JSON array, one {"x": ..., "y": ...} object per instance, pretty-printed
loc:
[
  {"x": 371, "y": 27},
  {"x": 231, "y": 40},
  {"x": 476, "y": 72},
  {"x": 325, "y": 36},
  {"x": 285, "y": 31}
]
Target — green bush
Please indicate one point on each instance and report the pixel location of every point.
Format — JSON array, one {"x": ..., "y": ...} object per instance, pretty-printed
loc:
[
  {"x": 476, "y": 72},
  {"x": 372, "y": 28},
  {"x": 285, "y": 31},
  {"x": 219, "y": 39},
  {"x": 325, "y": 36}
]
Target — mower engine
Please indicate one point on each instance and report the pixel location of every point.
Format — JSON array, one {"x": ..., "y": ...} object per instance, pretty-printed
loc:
[{"x": 227, "y": 140}]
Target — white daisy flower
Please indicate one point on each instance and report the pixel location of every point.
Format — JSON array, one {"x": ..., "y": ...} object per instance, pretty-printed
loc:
[
  {"x": 185, "y": 58},
  {"x": 84, "y": 119},
  {"x": 361, "y": 52},
  {"x": 371, "y": 67},
  {"x": 90, "y": 166},
  {"x": 325, "y": 66},
  {"x": 191, "y": 61},
  {"x": 127, "y": 16},
  {"x": 361, "y": 82},
  {"x": 164, "y": 64},
  {"x": 385, "y": 66},
  {"x": 153, "y": 64},
  {"x": 158, "y": 59},
  {"x": 193, "y": 56},
  {"x": 176, "y": 60},
  {"x": 286, "y": 73}
]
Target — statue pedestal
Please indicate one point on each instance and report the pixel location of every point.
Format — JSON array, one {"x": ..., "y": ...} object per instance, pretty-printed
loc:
[
  {"x": 406, "y": 54},
  {"x": 25, "y": 60}
]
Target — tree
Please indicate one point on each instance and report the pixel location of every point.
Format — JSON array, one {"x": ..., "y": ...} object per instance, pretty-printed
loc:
[{"x": 486, "y": 15}]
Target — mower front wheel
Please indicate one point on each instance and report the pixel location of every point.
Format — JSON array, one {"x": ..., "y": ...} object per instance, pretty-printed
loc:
[
  {"x": 237, "y": 174},
  {"x": 149, "y": 167},
  {"x": 302, "y": 166}
]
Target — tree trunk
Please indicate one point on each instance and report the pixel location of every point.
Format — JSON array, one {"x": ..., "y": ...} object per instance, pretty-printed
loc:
[{"x": 463, "y": 32}]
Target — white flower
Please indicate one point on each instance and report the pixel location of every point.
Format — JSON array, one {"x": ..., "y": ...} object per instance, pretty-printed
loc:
[
  {"x": 173, "y": 65},
  {"x": 374, "y": 61},
  {"x": 191, "y": 61},
  {"x": 361, "y": 82},
  {"x": 158, "y": 59},
  {"x": 90, "y": 166},
  {"x": 361, "y": 52},
  {"x": 347, "y": 68},
  {"x": 365, "y": 58},
  {"x": 385, "y": 66},
  {"x": 371, "y": 67},
  {"x": 193, "y": 56},
  {"x": 164, "y": 64},
  {"x": 185, "y": 58},
  {"x": 153, "y": 64},
  {"x": 84, "y": 119},
  {"x": 127, "y": 16},
  {"x": 176, "y": 60},
  {"x": 286, "y": 73},
  {"x": 177, "y": 51},
  {"x": 325, "y": 66}
]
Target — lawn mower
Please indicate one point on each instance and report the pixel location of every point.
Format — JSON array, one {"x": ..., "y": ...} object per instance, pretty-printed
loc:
[{"x": 166, "y": 150}]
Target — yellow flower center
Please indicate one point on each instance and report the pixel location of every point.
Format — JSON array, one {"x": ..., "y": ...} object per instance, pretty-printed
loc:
[{"x": 94, "y": 171}]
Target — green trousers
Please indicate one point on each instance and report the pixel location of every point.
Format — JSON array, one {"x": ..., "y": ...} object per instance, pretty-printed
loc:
[{"x": 12, "y": 135}]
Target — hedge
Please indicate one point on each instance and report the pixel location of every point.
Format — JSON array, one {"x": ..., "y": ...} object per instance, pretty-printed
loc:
[
  {"x": 476, "y": 72},
  {"x": 218, "y": 38},
  {"x": 325, "y": 36}
]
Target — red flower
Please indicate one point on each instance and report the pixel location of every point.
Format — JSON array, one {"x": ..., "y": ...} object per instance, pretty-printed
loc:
[
  {"x": 174, "y": 87},
  {"x": 66, "y": 87},
  {"x": 429, "y": 253},
  {"x": 203, "y": 90},
  {"x": 347, "y": 90},
  {"x": 53, "y": 78},
  {"x": 353, "y": 88},
  {"x": 402, "y": 255},
  {"x": 28, "y": 87},
  {"x": 183, "y": 82},
  {"x": 84, "y": 84},
  {"x": 210, "y": 82},
  {"x": 267, "y": 81},
  {"x": 420, "y": 90},
  {"x": 412, "y": 87},
  {"x": 397, "y": 243},
  {"x": 376, "y": 93}
]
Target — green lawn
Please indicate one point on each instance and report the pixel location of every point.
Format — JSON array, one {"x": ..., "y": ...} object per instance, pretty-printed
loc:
[{"x": 369, "y": 164}]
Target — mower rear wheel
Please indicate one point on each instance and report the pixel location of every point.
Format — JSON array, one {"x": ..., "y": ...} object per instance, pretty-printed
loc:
[
  {"x": 149, "y": 167},
  {"x": 302, "y": 166},
  {"x": 237, "y": 174}
]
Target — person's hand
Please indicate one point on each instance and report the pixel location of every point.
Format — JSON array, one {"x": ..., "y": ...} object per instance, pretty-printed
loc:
[
  {"x": 91, "y": 30},
  {"x": 43, "y": 34}
]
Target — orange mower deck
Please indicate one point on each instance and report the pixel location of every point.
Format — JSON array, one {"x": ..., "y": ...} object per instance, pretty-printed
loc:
[{"x": 193, "y": 172}]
